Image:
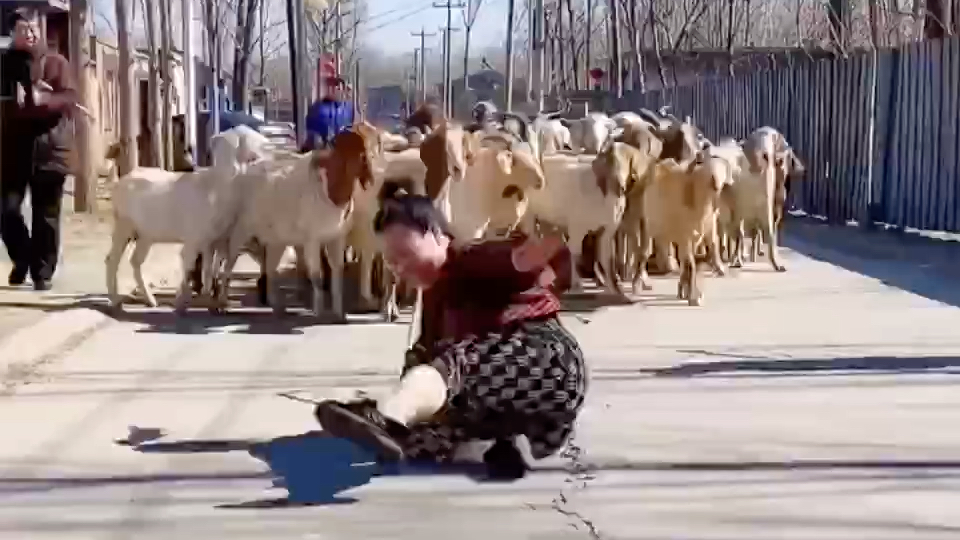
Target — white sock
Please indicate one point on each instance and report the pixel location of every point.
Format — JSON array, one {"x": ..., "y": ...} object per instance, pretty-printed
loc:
[{"x": 422, "y": 392}]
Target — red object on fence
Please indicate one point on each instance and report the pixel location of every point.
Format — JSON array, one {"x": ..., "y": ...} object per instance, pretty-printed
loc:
[
  {"x": 327, "y": 78},
  {"x": 596, "y": 74}
]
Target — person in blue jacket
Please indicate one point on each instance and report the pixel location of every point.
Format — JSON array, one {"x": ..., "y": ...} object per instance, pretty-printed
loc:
[{"x": 321, "y": 121}]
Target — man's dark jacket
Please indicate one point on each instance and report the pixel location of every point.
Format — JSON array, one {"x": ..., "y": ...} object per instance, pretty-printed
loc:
[{"x": 36, "y": 137}]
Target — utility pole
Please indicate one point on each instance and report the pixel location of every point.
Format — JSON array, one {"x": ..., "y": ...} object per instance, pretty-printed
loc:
[
  {"x": 508, "y": 88},
  {"x": 447, "y": 90},
  {"x": 423, "y": 63},
  {"x": 85, "y": 182},
  {"x": 128, "y": 142},
  {"x": 189, "y": 79},
  {"x": 358, "y": 94},
  {"x": 412, "y": 96}
]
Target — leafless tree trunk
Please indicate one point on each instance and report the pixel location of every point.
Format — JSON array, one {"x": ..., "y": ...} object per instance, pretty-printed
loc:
[
  {"x": 636, "y": 32},
  {"x": 469, "y": 18},
  {"x": 153, "y": 82},
  {"x": 874, "y": 15},
  {"x": 166, "y": 118},
  {"x": 560, "y": 47},
  {"x": 936, "y": 20},
  {"x": 263, "y": 42},
  {"x": 655, "y": 35},
  {"x": 125, "y": 77},
  {"x": 244, "y": 49},
  {"x": 837, "y": 12},
  {"x": 616, "y": 66},
  {"x": 574, "y": 63}
]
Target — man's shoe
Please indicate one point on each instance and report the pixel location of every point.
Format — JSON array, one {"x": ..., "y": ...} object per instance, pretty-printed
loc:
[
  {"x": 17, "y": 276},
  {"x": 42, "y": 285},
  {"x": 362, "y": 423}
]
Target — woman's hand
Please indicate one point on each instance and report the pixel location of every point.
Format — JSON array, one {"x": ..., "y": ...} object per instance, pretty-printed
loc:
[{"x": 535, "y": 253}]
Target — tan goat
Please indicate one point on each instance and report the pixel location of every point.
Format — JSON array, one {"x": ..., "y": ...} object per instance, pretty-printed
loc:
[
  {"x": 760, "y": 191},
  {"x": 680, "y": 206}
]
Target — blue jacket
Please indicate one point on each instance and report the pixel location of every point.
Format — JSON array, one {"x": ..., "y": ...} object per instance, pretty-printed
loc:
[{"x": 328, "y": 118}]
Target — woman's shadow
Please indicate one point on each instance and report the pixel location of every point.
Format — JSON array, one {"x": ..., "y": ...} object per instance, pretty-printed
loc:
[{"x": 314, "y": 468}]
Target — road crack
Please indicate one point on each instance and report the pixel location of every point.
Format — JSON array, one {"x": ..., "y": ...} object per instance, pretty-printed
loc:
[{"x": 578, "y": 477}]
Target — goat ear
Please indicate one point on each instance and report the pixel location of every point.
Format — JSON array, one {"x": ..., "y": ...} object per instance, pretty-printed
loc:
[{"x": 564, "y": 122}]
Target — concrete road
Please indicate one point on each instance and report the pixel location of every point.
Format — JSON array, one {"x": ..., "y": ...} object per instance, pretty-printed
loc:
[{"x": 816, "y": 404}]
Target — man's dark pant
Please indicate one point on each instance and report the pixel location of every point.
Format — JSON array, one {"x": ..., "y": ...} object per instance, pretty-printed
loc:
[{"x": 35, "y": 251}]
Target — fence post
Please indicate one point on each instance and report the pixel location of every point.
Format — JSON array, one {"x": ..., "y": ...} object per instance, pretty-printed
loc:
[{"x": 866, "y": 220}]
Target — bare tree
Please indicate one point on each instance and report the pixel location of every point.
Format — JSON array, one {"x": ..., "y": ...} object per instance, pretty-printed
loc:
[
  {"x": 166, "y": 118},
  {"x": 153, "y": 85},
  {"x": 469, "y": 18}
]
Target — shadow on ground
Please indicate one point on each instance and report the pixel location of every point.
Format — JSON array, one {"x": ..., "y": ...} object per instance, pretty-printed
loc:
[
  {"x": 313, "y": 467},
  {"x": 919, "y": 264},
  {"x": 820, "y": 366}
]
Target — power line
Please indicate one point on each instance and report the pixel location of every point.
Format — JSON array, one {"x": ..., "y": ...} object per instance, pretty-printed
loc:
[{"x": 401, "y": 18}]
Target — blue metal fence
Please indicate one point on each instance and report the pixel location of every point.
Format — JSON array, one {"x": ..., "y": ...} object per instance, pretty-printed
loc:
[{"x": 879, "y": 133}]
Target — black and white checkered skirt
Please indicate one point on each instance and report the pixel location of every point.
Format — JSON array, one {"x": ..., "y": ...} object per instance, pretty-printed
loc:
[{"x": 530, "y": 380}]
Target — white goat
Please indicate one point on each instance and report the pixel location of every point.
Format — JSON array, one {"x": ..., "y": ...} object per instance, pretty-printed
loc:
[
  {"x": 153, "y": 206},
  {"x": 589, "y": 134},
  {"x": 238, "y": 147},
  {"x": 307, "y": 203}
]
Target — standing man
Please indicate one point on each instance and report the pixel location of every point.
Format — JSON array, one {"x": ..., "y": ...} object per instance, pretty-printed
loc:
[{"x": 37, "y": 136}]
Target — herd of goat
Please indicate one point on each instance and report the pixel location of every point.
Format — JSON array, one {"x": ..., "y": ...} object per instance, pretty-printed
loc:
[{"x": 643, "y": 185}]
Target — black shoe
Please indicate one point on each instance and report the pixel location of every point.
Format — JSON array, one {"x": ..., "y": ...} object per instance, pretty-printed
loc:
[
  {"x": 504, "y": 461},
  {"x": 362, "y": 423},
  {"x": 41, "y": 284},
  {"x": 17, "y": 276}
]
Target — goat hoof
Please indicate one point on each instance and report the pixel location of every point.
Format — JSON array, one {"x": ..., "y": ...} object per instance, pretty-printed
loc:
[
  {"x": 780, "y": 268},
  {"x": 696, "y": 301}
]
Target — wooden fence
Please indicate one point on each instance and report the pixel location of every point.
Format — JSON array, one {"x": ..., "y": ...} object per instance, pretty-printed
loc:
[{"x": 879, "y": 132}]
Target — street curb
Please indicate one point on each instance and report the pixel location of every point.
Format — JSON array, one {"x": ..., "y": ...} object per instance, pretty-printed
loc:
[{"x": 25, "y": 351}]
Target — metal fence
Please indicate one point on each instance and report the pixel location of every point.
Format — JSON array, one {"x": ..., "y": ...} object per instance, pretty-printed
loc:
[{"x": 879, "y": 132}]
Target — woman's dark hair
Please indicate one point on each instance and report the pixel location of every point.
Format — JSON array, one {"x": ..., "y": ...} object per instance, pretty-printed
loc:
[
  {"x": 414, "y": 211},
  {"x": 21, "y": 14}
]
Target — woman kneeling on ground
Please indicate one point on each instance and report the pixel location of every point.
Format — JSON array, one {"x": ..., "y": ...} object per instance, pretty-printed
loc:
[{"x": 493, "y": 360}]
